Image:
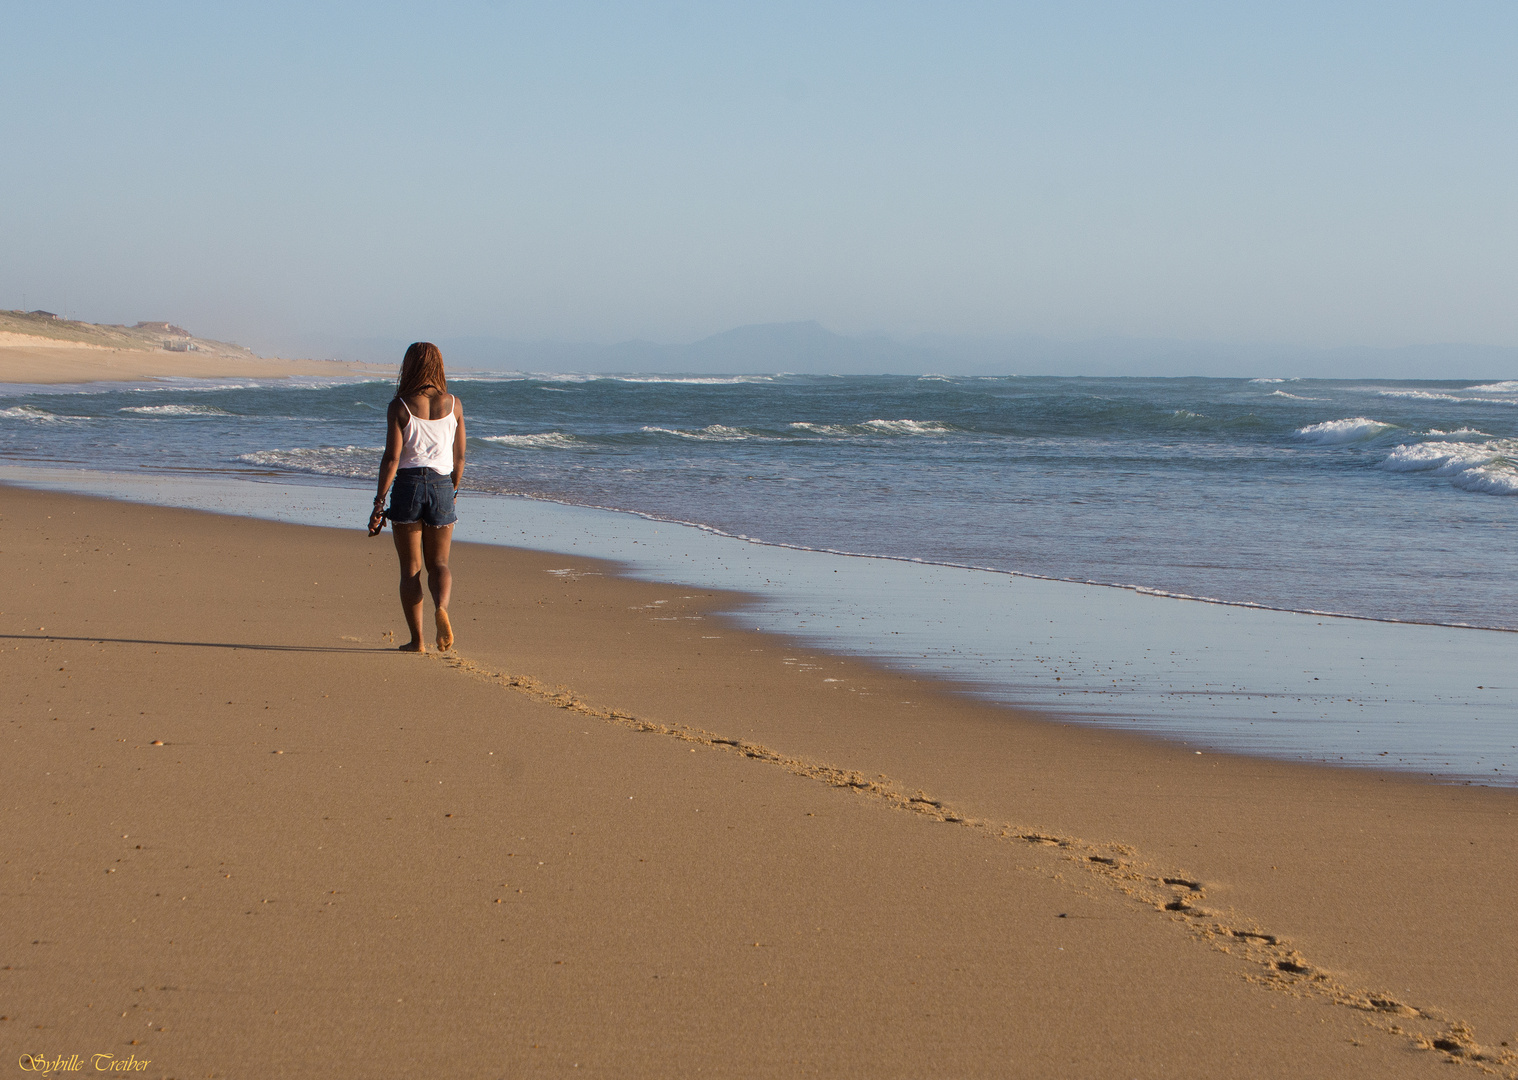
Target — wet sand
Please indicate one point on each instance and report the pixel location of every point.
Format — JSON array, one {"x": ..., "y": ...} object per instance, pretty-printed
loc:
[
  {"x": 615, "y": 833},
  {"x": 23, "y": 360}
]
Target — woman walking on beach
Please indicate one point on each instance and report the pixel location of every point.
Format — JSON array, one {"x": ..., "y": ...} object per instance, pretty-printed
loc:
[{"x": 424, "y": 458}]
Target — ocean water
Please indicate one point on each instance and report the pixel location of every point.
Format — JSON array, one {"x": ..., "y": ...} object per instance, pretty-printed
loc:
[
  {"x": 1384, "y": 502},
  {"x": 1387, "y": 500}
]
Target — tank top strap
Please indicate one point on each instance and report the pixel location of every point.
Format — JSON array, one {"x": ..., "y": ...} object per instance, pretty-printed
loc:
[{"x": 451, "y": 408}]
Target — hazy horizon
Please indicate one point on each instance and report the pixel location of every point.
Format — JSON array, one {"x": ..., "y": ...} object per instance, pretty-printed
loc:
[
  {"x": 808, "y": 348},
  {"x": 1266, "y": 184}
]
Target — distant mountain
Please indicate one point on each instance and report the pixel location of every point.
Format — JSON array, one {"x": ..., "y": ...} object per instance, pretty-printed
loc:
[
  {"x": 803, "y": 348},
  {"x": 808, "y": 348}
]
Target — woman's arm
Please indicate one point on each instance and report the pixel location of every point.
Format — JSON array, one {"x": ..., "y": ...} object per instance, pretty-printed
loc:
[
  {"x": 388, "y": 463},
  {"x": 458, "y": 444}
]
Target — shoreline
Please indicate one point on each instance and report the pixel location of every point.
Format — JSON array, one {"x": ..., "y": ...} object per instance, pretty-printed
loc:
[
  {"x": 1214, "y": 676},
  {"x": 1342, "y": 873},
  {"x": 1142, "y": 590}
]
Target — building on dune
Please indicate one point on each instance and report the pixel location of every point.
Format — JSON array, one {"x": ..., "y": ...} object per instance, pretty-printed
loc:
[{"x": 163, "y": 328}]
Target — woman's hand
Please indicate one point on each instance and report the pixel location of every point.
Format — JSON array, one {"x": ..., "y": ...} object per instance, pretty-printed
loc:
[{"x": 376, "y": 520}]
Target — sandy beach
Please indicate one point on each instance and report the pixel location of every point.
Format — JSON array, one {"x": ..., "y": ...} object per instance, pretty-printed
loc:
[
  {"x": 617, "y": 834},
  {"x": 26, "y": 358}
]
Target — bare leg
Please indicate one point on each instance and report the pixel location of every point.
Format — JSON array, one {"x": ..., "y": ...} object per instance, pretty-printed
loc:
[
  {"x": 436, "y": 544},
  {"x": 408, "y": 548}
]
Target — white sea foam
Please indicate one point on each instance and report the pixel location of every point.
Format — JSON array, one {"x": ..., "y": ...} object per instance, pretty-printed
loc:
[
  {"x": 1420, "y": 395},
  {"x": 175, "y": 410},
  {"x": 327, "y": 382},
  {"x": 351, "y": 461},
  {"x": 32, "y": 414},
  {"x": 583, "y": 377},
  {"x": 1508, "y": 387},
  {"x": 1493, "y": 478},
  {"x": 1266, "y": 381},
  {"x": 874, "y": 427},
  {"x": 1426, "y": 395},
  {"x": 1489, "y": 467},
  {"x": 170, "y": 385},
  {"x": 907, "y": 427},
  {"x": 710, "y": 433},
  {"x": 545, "y": 440},
  {"x": 1460, "y": 433},
  {"x": 1352, "y": 429},
  {"x": 1294, "y": 397},
  {"x": 180, "y": 384},
  {"x": 521, "y": 376},
  {"x": 1440, "y": 458},
  {"x": 691, "y": 380}
]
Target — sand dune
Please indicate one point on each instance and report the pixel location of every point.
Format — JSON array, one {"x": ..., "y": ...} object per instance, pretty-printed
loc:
[
  {"x": 50, "y": 351},
  {"x": 77, "y": 362},
  {"x": 9, "y": 340}
]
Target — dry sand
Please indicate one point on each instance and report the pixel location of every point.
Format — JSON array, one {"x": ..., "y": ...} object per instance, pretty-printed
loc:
[
  {"x": 26, "y": 358},
  {"x": 615, "y": 834}
]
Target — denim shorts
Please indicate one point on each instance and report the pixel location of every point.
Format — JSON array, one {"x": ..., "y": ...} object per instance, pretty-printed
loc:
[{"x": 422, "y": 495}]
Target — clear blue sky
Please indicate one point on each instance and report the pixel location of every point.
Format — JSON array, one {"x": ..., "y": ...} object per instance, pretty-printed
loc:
[{"x": 1314, "y": 173}]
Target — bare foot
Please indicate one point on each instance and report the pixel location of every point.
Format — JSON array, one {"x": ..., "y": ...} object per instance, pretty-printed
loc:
[
  {"x": 412, "y": 646},
  {"x": 444, "y": 630}
]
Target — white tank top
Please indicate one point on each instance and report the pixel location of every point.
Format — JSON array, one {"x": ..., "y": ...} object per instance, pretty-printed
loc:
[{"x": 428, "y": 444}]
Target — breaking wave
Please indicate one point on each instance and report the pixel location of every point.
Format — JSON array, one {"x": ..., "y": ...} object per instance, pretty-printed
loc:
[
  {"x": 710, "y": 433},
  {"x": 1489, "y": 468},
  {"x": 544, "y": 440},
  {"x": 350, "y": 461},
  {"x": 34, "y": 415},
  {"x": 690, "y": 380},
  {"x": 876, "y": 427},
  {"x": 1429, "y": 395},
  {"x": 801, "y": 429},
  {"x": 1352, "y": 429},
  {"x": 174, "y": 410}
]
